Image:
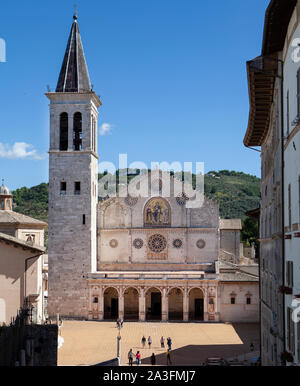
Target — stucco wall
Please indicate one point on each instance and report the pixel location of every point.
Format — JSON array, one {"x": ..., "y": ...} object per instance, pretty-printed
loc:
[
  {"x": 13, "y": 280},
  {"x": 240, "y": 311}
]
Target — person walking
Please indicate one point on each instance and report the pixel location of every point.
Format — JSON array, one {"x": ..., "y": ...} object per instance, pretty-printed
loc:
[
  {"x": 130, "y": 357},
  {"x": 168, "y": 357},
  {"x": 162, "y": 342},
  {"x": 169, "y": 343},
  {"x": 153, "y": 359},
  {"x": 149, "y": 341},
  {"x": 138, "y": 358},
  {"x": 143, "y": 341}
]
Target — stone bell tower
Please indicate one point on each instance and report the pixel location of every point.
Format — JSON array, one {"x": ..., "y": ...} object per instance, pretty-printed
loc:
[
  {"x": 6, "y": 198},
  {"x": 73, "y": 178}
]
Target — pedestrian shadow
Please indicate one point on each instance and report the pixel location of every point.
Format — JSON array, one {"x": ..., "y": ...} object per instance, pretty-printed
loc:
[{"x": 196, "y": 355}]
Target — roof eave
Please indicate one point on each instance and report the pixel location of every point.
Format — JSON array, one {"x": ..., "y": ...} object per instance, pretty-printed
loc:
[
  {"x": 277, "y": 19},
  {"x": 23, "y": 244},
  {"x": 261, "y": 85}
]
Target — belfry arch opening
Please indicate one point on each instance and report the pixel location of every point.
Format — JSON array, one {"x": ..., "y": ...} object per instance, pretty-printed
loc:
[
  {"x": 63, "y": 133},
  {"x": 175, "y": 300},
  {"x": 131, "y": 304},
  {"x": 153, "y": 304},
  {"x": 77, "y": 132},
  {"x": 196, "y": 304},
  {"x": 111, "y": 304}
]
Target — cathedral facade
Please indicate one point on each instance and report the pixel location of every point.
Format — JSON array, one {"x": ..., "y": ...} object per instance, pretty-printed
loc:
[{"x": 148, "y": 257}]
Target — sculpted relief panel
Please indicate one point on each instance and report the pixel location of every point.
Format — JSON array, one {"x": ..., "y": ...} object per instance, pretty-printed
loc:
[{"x": 157, "y": 213}]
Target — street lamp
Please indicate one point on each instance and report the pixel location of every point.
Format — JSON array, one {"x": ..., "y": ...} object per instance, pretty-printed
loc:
[{"x": 119, "y": 326}]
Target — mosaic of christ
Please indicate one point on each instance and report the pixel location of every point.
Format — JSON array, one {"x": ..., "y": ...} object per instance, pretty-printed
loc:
[{"x": 157, "y": 212}]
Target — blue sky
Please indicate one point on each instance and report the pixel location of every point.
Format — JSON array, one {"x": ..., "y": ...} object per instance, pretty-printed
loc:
[{"x": 171, "y": 75}]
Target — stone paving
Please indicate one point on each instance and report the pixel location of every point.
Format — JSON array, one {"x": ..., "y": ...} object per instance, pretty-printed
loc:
[{"x": 90, "y": 343}]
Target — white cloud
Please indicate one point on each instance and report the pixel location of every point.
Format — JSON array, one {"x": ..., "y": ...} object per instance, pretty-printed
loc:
[
  {"x": 106, "y": 129},
  {"x": 19, "y": 150}
]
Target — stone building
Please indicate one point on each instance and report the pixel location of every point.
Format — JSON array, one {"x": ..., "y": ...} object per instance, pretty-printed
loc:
[
  {"x": 291, "y": 91},
  {"x": 138, "y": 258},
  {"x": 21, "y": 251},
  {"x": 159, "y": 260},
  {"x": 274, "y": 125}
]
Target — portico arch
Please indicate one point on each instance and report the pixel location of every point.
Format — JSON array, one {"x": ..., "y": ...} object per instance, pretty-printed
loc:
[
  {"x": 111, "y": 303},
  {"x": 153, "y": 304},
  {"x": 131, "y": 304},
  {"x": 175, "y": 301},
  {"x": 196, "y": 304}
]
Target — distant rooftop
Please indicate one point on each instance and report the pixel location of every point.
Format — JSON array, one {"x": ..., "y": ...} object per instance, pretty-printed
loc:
[{"x": 10, "y": 217}]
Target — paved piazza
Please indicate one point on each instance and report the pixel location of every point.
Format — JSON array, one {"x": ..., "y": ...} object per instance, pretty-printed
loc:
[{"x": 89, "y": 343}]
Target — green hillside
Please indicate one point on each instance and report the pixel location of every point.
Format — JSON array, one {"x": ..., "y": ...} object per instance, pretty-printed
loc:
[{"x": 236, "y": 193}]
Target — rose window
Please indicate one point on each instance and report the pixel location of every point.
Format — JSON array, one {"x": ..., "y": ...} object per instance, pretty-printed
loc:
[
  {"x": 181, "y": 200},
  {"x": 138, "y": 243},
  {"x": 131, "y": 201},
  {"x": 113, "y": 243},
  {"x": 177, "y": 243},
  {"x": 157, "y": 243},
  {"x": 200, "y": 244}
]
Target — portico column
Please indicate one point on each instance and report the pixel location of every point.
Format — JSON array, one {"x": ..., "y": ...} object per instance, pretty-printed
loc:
[
  {"x": 185, "y": 305},
  {"x": 217, "y": 310},
  {"x": 205, "y": 290},
  {"x": 121, "y": 304},
  {"x": 90, "y": 310},
  {"x": 142, "y": 305},
  {"x": 101, "y": 304},
  {"x": 165, "y": 305}
]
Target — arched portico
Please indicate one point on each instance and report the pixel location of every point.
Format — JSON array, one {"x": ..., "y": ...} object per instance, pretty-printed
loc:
[
  {"x": 196, "y": 304},
  {"x": 175, "y": 303},
  {"x": 111, "y": 303},
  {"x": 153, "y": 304},
  {"x": 131, "y": 304}
]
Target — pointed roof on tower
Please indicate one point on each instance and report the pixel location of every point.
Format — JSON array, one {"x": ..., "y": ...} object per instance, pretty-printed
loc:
[{"x": 74, "y": 75}]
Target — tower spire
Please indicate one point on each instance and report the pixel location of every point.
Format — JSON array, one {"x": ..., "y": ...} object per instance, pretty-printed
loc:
[{"x": 74, "y": 75}]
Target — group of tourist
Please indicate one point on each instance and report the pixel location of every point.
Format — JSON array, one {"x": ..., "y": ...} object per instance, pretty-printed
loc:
[{"x": 131, "y": 355}]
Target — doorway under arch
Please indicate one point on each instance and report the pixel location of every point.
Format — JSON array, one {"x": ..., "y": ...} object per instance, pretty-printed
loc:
[
  {"x": 111, "y": 303},
  {"x": 131, "y": 304},
  {"x": 196, "y": 304},
  {"x": 153, "y": 304},
  {"x": 175, "y": 300}
]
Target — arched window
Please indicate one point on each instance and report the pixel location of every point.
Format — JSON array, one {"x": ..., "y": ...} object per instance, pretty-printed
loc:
[
  {"x": 77, "y": 132},
  {"x": 63, "y": 144},
  {"x": 93, "y": 128}
]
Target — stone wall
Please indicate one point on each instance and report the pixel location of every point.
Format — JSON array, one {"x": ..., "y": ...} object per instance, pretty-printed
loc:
[
  {"x": 28, "y": 345},
  {"x": 72, "y": 217}
]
